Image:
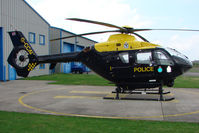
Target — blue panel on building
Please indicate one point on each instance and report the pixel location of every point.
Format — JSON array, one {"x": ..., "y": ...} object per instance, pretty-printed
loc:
[
  {"x": 79, "y": 48},
  {"x": 78, "y": 64},
  {"x": 11, "y": 73},
  {"x": 67, "y": 47},
  {"x": 1, "y": 55}
]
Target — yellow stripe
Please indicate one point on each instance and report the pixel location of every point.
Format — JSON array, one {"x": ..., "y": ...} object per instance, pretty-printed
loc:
[
  {"x": 114, "y": 95},
  {"x": 20, "y": 100},
  {"x": 77, "y": 97},
  {"x": 89, "y": 92}
]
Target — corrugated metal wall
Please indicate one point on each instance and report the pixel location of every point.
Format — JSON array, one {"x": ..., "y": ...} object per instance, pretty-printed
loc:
[
  {"x": 84, "y": 41},
  {"x": 18, "y": 15},
  {"x": 55, "y": 45}
]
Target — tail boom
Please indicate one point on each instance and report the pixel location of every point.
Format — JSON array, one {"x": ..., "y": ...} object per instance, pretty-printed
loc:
[
  {"x": 54, "y": 59},
  {"x": 64, "y": 57}
]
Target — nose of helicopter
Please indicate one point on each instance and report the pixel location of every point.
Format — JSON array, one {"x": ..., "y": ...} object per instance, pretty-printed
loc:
[
  {"x": 185, "y": 64},
  {"x": 181, "y": 60}
]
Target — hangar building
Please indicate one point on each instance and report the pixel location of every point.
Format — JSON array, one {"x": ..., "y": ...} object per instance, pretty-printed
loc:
[{"x": 19, "y": 15}]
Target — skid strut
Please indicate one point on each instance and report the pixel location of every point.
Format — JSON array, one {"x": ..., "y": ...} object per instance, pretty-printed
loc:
[
  {"x": 159, "y": 95},
  {"x": 118, "y": 91}
]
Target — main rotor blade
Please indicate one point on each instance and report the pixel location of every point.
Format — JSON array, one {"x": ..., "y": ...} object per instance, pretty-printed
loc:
[
  {"x": 91, "y": 33},
  {"x": 141, "y": 37},
  {"x": 135, "y": 30},
  {"x": 97, "y": 22}
]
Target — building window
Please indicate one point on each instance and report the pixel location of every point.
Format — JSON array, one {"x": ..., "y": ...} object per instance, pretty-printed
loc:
[
  {"x": 42, "y": 66},
  {"x": 41, "y": 39},
  {"x": 32, "y": 37}
]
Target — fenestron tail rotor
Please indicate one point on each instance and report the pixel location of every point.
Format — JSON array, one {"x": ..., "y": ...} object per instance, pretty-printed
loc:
[{"x": 23, "y": 58}]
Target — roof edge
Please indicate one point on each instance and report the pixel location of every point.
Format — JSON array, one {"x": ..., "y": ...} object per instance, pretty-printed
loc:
[
  {"x": 36, "y": 12},
  {"x": 73, "y": 33}
]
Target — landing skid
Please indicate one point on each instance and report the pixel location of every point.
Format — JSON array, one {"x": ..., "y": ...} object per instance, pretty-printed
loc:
[
  {"x": 142, "y": 92},
  {"x": 155, "y": 95}
]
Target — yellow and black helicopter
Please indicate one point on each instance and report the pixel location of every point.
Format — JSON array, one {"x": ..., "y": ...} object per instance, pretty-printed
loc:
[{"x": 126, "y": 62}]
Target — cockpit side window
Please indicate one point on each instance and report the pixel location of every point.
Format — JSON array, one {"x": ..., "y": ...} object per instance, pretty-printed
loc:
[
  {"x": 144, "y": 58},
  {"x": 161, "y": 58},
  {"x": 160, "y": 55},
  {"x": 124, "y": 57}
]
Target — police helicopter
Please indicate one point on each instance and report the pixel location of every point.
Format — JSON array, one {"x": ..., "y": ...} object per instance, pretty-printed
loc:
[{"x": 128, "y": 63}]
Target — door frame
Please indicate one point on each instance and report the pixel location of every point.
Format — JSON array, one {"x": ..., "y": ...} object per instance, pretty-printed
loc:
[{"x": 2, "y": 76}]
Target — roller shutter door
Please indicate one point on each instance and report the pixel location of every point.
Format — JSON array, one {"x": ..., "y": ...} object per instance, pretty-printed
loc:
[{"x": 67, "y": 47}]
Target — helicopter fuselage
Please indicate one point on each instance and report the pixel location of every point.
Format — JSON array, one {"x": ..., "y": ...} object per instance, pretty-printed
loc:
[
  {"x": 123, "y": 60},
  {"x": 139, "y": 67}
]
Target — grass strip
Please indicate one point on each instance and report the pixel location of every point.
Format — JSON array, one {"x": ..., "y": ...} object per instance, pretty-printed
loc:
[
  {"x": 93, "y": 79},
  {"x": 187, "y": 82},
  {"x": 73, "y": 79},
  {"x": 12, "y": 122}
]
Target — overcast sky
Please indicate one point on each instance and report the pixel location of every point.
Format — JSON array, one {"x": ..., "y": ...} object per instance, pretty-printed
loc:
[{"x": 136, "y": 13}]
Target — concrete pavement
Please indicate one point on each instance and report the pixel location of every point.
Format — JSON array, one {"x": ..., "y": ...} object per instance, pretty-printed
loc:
[{"x": 87, "y": 101}]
